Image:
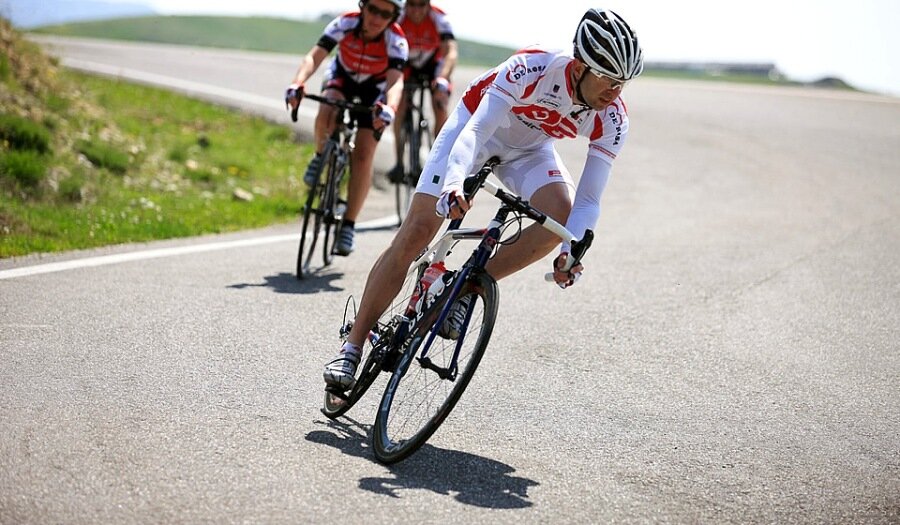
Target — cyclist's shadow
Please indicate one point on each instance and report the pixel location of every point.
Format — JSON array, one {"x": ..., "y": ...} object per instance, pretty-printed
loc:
[
  {"x": 284, "y": 282},
  {"x": 474, "y": 480}
]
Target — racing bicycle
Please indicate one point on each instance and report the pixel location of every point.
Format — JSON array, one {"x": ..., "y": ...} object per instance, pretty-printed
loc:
[
  {"x": 325, "y": 204},
  {"x": 429, "y": 368}
]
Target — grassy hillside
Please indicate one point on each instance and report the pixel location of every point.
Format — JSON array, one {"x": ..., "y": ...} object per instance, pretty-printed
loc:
[
  {"x": 257, "y": 34},
  {"x": 86, "y": 161}
]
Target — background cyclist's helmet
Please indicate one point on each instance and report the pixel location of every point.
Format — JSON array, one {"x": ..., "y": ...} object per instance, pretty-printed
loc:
[
  {"x": 399, "y": 4},
  {"x": 608, "y": 45}
]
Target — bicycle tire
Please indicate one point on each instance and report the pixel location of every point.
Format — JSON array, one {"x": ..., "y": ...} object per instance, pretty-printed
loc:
[
  {"x": 402, "y": 190},
  {"x": 395, "y": 434},
  {"x": 334, "y": 406},
  {"x": 330, "y": 220},
  {"x": 309, "y": 236}
]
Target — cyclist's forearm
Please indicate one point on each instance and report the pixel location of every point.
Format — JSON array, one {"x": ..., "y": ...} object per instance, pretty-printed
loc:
[
  {"x": 586, "y": 208},
  {"x": 450, "y": 56},
  {"x": 393, "y": 90},
  {"x": 490, "y": 114},
  {"x": 310, "y": 64}
]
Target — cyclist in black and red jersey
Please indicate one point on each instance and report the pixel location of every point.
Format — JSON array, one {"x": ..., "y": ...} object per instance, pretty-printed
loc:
[
  {"x": 432, "y": 56},
  {"x": 372, "y": 52}
]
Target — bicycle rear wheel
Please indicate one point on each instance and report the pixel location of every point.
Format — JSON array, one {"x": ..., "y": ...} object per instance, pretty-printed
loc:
[
  {"x": 403, "y": 190},
  {"x": 416, "y": 399},
  {"x": 376, "y": 356}
]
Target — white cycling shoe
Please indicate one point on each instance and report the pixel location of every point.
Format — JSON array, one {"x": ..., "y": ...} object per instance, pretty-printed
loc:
[{"x": 340, "y": 372}]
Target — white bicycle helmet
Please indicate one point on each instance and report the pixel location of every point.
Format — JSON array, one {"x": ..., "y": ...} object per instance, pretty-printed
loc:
[
  {"x": 400, "y": 4},
  {"x": 608, "y": 45}
]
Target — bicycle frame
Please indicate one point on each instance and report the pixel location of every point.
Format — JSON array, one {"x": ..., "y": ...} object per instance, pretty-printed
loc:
[{"x": 490, "y": 238}]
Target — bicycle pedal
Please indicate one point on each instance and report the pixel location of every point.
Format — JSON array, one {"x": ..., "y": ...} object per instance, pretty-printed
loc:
[{"x": 337, "y": 393}]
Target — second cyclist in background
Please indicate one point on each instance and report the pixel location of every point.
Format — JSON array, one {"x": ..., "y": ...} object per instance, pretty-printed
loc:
[
  {"x": 432, "y": 55},
  {"x": 369, "y": 63}
]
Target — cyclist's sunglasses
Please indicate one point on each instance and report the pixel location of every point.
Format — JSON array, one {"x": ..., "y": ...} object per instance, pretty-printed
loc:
[
  {"x": 613, "y": 83},
  {"x": 416, "y": 4},
  {"x": 386, "y": 14}
]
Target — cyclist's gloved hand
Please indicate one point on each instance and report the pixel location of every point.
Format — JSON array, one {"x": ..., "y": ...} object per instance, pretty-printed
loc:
[
  {"x": 293, "y": 95},
  {"x": 452, "y": 204},
  {"x": 442, "y": 84},
  {"x": 384, "y": 113},
  {"x": 564, "y": 279}
]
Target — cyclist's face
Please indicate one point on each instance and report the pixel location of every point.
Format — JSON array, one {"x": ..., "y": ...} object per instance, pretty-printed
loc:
[
  {"x": 377, "y": 16},
  {"x": 417, "y": 10},
  {"x": 599, "y": 90}
]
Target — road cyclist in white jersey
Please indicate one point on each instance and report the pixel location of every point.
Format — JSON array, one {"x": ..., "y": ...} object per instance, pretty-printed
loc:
[{"x": 515, "y": 112}]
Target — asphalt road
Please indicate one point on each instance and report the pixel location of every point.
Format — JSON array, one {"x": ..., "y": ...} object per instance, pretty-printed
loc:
[{"x": 731, "y": 354}]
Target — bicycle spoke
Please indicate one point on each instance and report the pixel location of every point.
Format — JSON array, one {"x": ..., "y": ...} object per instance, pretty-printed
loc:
[{"x": 417, "y": 399}]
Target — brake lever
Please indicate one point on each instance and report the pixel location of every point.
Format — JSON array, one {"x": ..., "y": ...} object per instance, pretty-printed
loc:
[{"x": 573, "y": 258}]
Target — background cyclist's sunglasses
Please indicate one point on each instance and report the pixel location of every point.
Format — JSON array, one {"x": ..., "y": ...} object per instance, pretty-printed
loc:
[
  {"x": 381, "y": 13},
  {"x": 416, "y": 4}
]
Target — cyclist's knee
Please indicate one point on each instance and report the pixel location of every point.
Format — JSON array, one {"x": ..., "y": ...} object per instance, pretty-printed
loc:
[
  {"x": 417, "y": 229},
  {"x": 554, "y": 200}
]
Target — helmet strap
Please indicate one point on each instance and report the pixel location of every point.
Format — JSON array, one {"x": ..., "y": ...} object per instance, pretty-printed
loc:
[{"x": 578, "y": 92}]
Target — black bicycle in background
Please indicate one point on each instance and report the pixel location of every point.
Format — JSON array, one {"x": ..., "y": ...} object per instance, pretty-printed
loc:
[
  {"x": 326, "y": 200},
  {"x": 415, "y": 143},
  {"x": 430, "y": 366}
]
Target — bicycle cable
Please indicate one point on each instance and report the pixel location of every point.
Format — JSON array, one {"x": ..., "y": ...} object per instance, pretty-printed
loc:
[{"x": 517, "y": 220}]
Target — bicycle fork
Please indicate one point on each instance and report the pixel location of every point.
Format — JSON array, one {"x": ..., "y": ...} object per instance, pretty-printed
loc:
[{"x": 479, "y": 259}]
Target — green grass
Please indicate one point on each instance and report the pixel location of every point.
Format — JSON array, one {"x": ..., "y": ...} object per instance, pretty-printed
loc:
[
  {"x": 123, "y": 183},
  {"x": 23, "y": 134},
  {"x": 22, "y": 170}
]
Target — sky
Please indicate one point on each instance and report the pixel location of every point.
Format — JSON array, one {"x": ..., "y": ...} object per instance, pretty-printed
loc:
[{"x": 806, "y": 39}]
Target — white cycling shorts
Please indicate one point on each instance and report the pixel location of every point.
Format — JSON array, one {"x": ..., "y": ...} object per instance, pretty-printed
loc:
[{"x": 523, "y": 171}]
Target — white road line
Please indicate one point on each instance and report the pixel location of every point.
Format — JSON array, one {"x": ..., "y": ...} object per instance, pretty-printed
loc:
[
  {"x": 90, "y": 262},
  {"x": 142, "y": 255}
]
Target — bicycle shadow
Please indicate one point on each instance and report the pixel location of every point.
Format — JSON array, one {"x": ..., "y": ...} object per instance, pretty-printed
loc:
[
  {"x": 288, "y": 283},
  {"x": 471, "y": 479}
]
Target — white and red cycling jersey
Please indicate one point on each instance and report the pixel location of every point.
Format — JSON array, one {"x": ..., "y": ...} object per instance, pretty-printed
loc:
[
  {"x": 364, "y": 61},
  {"x": 536, "y": 83},
  {"x": 425, "y": 38},
  {"x": 516, "y": 112}
]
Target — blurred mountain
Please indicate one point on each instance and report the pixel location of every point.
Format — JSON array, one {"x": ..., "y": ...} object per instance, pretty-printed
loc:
[{"x": 27, "y": 14}]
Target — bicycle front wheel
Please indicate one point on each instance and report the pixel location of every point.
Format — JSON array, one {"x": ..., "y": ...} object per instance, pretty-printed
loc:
[
  {"x": 417, "y": 399},
  {"x": 312, "y": 222},
  {"x": 330, "y": 218}
]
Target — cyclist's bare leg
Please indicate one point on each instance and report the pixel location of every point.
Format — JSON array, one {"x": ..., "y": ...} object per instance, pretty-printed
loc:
[
  {"x": 399, "y": 144},
  {"x": 360, "y": 172},
  {"x": 325, "y": 120},
  {"x": 389, "y": 271},
  {"x": 535, "y": 242},
  {"x": 439, "y": 103}
]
